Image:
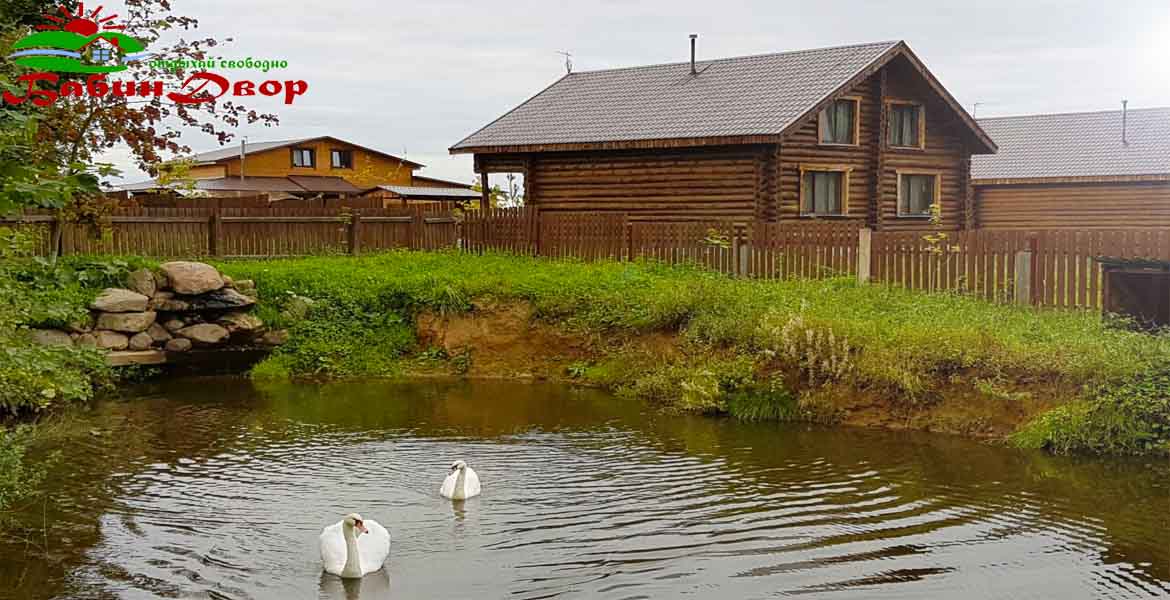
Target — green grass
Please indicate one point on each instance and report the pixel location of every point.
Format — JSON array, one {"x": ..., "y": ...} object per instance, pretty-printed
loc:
[{"x": 825, "y": 331}]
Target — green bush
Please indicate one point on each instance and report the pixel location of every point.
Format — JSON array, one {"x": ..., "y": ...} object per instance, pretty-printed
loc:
[
  {"x": 1131, "y": 418},
  {"x": 37, "y": 293}
]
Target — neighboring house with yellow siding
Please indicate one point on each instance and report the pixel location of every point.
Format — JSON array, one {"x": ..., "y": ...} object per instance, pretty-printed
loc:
[{"x": 320, "y": 167}]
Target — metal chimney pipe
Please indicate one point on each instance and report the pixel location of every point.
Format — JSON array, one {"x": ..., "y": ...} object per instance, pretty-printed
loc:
[
  {"x": 694, "y": 36},
  {"x": 243, "y": 151},
  {"x": 1124, "y": 123}
]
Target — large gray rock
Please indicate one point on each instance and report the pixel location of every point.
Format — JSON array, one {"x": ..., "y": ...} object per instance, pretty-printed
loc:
[
  {"x": 174, "y": 325},
  {"x": 204, "y": 333},
  {"x": 242, "y": 322},
  {"x": 178, "y": 345},
  {"x": 117, "y": 300},
  {"x": 51, "y": 337},
  {"x": 140, "y": 341},
  {"x": 126, "y": 322},
  {"x": 111, "y": 340},
  {"x": 191, "y": 277},
  {"x": 142, "y": 281},
  {"x": 223, "y": 299},
  {"x": 158, "y": 333}
]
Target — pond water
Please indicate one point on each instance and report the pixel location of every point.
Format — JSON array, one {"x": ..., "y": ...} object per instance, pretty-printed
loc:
[{"x": 217, "y": 488}]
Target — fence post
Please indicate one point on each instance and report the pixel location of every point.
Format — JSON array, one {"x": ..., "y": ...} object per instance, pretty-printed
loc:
[
  {"x": 355, "y": 233},
  {"x": 213, "y": 234},
  {"x": 56, "y": 244},
  {"x": 1023, "y": 283},
  {"x": 864, "y": 248},
  {"x": 628, "y": 232}
]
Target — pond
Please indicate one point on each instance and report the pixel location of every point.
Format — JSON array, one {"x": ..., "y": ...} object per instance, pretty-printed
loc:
[{"x": 218, "y": 488}]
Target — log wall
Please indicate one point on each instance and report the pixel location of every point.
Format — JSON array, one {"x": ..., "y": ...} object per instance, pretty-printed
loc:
[
  {"x": 677, "y": 184},
  {"x": 1073, "y": 205}
]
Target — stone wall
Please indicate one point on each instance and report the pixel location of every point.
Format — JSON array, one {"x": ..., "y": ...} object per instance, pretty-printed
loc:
[{"x": 180, "y": 306}]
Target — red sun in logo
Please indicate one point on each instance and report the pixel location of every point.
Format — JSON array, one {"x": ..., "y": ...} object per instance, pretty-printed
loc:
[{"x": 80, "y": 23}]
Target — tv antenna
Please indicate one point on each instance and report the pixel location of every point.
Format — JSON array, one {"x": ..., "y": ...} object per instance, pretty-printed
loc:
[{"x": 568, "y": 60}]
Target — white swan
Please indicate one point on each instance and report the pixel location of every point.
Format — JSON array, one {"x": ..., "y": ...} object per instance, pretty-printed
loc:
[
  {"x": 461, "y": 483},
  {"x": 346, "y": 552}
]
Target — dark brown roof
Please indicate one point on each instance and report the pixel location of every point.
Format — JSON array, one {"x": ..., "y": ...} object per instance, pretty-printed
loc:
[
  {"x": 229, "y": 153},
  {"x": 743, "y": 97},
  {"x": 1073, "y": 145}
]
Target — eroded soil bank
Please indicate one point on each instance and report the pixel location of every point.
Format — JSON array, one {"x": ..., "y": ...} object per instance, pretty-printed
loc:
[{"x": 505, "y": 340}]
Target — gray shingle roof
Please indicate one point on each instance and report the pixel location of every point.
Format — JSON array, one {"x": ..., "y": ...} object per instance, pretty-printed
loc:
[
  {"x": 416, "y": 191},
  {"x": 234, "y": 150},
  {"x": 751, "y": 95},
  {"x": 1076, "y": 145}
]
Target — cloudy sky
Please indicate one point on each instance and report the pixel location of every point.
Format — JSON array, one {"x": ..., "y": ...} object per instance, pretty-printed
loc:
[{"x": 413, "y": 78}]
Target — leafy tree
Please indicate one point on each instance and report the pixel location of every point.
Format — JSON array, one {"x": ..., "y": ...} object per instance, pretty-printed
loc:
[{"x": 50, "y": 151}]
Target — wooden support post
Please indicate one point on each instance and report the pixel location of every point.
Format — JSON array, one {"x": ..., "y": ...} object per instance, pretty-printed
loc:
[
  {"x": 628, "y": 230},
  {"x": 213, "y": 232},
  {"x": 744, "y": 251},
  {"x": 864, "y": 244},
  {"x": 355, "y": 233},
  {"x": 56, "y": 240},
  {"x": 417, "y": 223},
  {"x": 485, "y": 193},
  {"x": 1023, "y": 283}
]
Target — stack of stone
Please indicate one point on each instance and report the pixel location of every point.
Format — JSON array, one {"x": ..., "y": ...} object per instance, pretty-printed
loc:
[{"x": 184, "y": 304}]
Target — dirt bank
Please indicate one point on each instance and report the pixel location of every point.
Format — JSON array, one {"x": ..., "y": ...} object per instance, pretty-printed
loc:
[{"x": 504, "y": 340}]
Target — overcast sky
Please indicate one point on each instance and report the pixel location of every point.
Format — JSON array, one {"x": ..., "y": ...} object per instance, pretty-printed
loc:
[{"x": 413, "y": 78}]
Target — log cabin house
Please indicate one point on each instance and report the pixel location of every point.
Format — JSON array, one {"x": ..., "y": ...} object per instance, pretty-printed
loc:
[
  {"x": 861, "y": 133},
  {"x": 320, "y": 168},
  {"x": 1107, "y": 169}
]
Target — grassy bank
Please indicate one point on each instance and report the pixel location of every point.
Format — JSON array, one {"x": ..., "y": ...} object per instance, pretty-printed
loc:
[{"x": 756, "y": 349}]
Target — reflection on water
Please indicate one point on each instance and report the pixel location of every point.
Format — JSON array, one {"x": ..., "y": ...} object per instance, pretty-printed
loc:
[{"x": 212, "y": 488}]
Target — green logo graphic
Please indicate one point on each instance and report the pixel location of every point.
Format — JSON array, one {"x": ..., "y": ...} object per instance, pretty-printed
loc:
[{"x": 77, "y": 44}]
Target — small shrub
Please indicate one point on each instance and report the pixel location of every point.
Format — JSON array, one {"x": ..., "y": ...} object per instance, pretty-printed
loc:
[
  {"x": 767, "y": 401},
  {"x": 1132, "y": 418}
]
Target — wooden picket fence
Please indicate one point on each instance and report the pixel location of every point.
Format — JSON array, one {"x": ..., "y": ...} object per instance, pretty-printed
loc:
[
  {"x": 1056, "y": 268},
  {"x": 248, "y": 232}
]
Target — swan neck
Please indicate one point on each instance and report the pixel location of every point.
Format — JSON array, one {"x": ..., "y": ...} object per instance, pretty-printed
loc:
[
  {"x": 461, "y": 483},
  {"x": 353, "y": 565}
]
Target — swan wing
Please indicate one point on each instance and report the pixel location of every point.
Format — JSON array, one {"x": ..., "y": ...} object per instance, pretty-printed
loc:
[
  {"x": 332, "y": 544},
  {"x": 448, "y": 489},
  {"x": 471, "y": 484},
  {"x": 373, "y": 546}
]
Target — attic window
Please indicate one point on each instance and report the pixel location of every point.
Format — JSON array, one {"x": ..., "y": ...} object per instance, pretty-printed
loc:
[
  {"x": 838, "y": 122},
  {"x": 304, "y": 157},
  {"x": 341, "y": 159},
  {"x": 907, "y": 129}
]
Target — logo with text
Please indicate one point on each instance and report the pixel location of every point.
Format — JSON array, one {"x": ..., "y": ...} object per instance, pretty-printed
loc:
[{"x": 90, "y": 44}]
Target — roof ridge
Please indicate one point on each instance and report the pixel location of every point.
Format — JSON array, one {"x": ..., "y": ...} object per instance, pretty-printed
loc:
[
  {"x": 887, "y": 43},
  {"x": 1074, "y": 113}
]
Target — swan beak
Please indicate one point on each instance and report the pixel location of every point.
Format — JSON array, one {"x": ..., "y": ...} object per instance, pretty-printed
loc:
[{"x": 361, "y": 527}]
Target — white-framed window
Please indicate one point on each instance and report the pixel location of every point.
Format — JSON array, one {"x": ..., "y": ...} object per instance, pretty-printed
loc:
[
  {"x": 907, "y": 126},
  {"x": 341, "y": 159},
  {"x": 824, "y": 190},
  {"x": 917, "y": 193},
  {"x": 304, "y": 157},
  {"x": 838, "y": 122}
]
